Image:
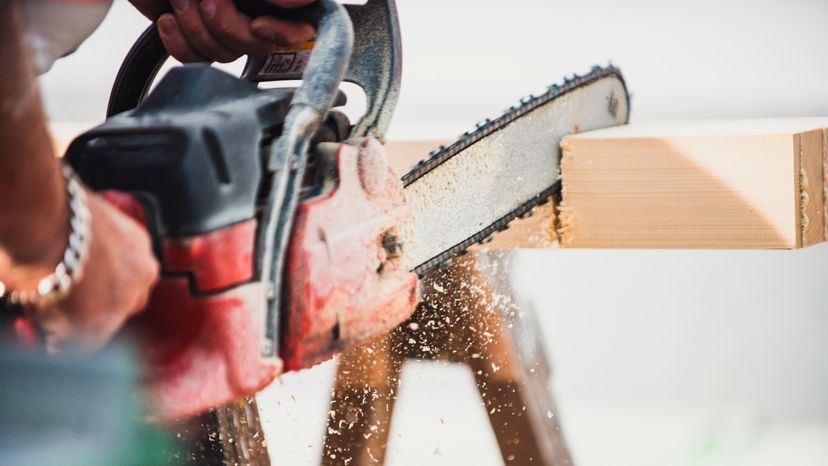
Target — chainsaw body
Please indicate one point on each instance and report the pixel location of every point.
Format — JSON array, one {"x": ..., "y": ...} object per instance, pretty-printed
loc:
[
  {"x": 207, "y": 162},
  {"x": 188, "y": 164}
]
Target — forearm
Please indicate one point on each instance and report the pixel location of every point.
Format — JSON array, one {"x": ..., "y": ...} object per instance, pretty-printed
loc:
[{"x": 33, "y": 214}]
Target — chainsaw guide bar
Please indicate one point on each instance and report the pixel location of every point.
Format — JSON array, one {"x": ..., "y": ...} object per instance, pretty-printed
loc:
[{"x": 466, "y": 192}]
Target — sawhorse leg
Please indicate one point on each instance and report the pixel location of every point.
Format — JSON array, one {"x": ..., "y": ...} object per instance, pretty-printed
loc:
[
  {"x": 230, "y": 435},
  {"x": 362, "y": 403}
]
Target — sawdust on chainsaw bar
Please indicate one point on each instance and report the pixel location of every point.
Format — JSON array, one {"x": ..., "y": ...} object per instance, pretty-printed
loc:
[{"x": 491, "y": 178}]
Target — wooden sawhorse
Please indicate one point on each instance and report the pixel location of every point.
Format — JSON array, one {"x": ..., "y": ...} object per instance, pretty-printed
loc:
[{"x": 470, "y": 314}]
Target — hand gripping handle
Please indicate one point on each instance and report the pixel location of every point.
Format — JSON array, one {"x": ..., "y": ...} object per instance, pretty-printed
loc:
[{"x": 148, "y": 54}]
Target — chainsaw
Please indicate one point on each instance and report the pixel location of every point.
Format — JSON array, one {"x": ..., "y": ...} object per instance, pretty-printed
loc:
[{"x": 283, "y": 235}]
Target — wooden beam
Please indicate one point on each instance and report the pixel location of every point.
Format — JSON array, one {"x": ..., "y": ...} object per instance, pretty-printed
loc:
[
  {"x": 755, "y": 184},
  {"x": 746, "y": 184}
]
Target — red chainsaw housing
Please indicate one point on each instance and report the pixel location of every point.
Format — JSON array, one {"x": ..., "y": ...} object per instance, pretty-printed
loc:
[
  {"x": 344, "y": 285},
  {"x": 199, "y": 337},
  {"x": 200, "y": 334}
]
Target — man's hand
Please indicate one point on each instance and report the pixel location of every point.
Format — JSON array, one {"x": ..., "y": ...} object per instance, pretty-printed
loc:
[
  {"x": 34, "y": 217},
  {"x": 115, "y": 284},
  {"x": 214, "y": 30}
]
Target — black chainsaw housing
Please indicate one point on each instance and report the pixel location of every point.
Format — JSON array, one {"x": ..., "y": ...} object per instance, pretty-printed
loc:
[{"x": 193, "y": 150}]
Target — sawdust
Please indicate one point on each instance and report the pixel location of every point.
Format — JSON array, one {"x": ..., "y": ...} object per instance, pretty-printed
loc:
[{"x": 495, "y": 176}]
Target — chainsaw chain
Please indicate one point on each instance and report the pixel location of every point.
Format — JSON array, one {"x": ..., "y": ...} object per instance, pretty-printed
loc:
[{"x": 485, "y": 128}]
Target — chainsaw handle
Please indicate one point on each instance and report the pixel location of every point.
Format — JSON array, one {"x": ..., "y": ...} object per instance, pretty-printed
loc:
[
  {"x": 311, "y": 13},
  {"x": 148, "y": 54},
  {"x": 376, "y": 67},
  {"x": 141, "y": 212}
]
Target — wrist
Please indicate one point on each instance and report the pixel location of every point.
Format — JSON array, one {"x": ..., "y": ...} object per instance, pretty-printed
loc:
[
  {"x": 35, "y": 223},
  {"x": 24, "y": 271},
  {"x": 55, "y": 276}
]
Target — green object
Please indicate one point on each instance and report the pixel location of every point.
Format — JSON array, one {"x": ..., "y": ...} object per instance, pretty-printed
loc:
[{"x": 73, "y": 411}]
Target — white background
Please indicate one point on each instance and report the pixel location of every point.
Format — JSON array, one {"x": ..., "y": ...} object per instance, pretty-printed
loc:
[{"x": 689, "y": 357}]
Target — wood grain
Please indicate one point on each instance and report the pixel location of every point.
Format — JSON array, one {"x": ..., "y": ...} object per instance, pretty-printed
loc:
[{"x": 721, "y": 184}]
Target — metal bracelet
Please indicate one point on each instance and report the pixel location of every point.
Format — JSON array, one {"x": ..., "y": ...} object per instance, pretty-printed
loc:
[{"x": 69, "y": 271}]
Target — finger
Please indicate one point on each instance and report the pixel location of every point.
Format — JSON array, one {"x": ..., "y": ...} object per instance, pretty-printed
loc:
[
  {"x": 174, "y": 41},
  {"x": 192, "y": 27},
  {"x": 232, "y": 29},
  {"x": 281, "y": 32}
]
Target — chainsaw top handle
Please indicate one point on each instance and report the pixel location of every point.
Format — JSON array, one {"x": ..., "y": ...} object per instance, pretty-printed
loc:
[
  {"x": 375, "y": 65},
  {"x": 147, "y": 55}
]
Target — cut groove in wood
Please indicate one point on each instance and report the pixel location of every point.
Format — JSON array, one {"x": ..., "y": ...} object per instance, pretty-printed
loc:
[{"x": 535, "y": 231}]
